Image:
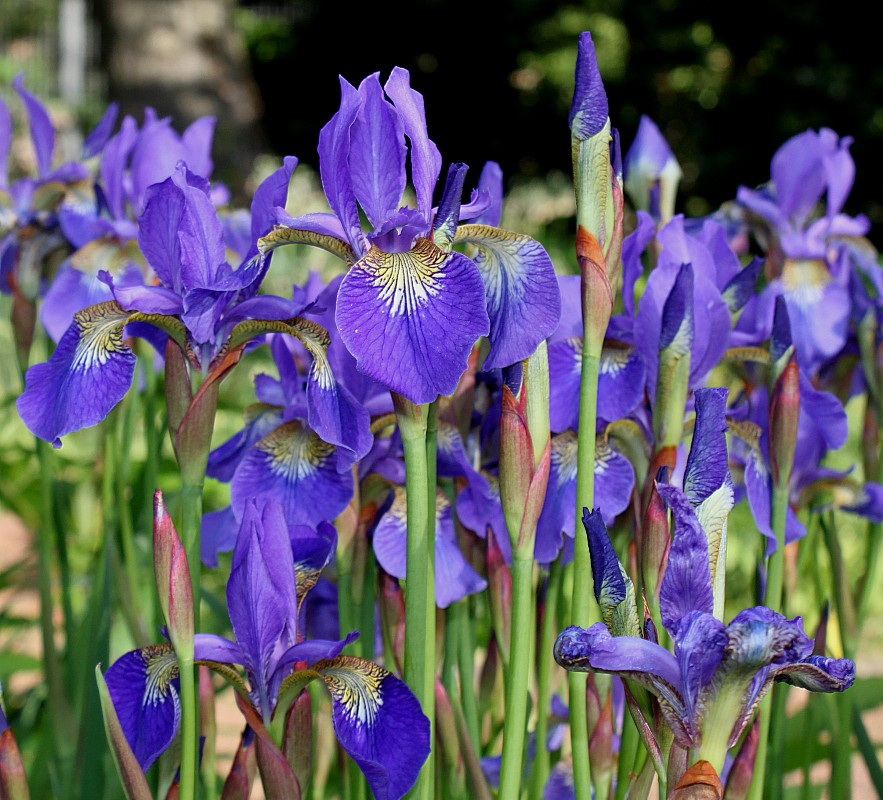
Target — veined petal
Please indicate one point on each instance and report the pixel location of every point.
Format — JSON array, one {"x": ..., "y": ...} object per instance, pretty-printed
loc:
[
  {"x": 620, "y": 381},
  {"x": 334, "y": 148},
  {"x": 455, "y": 578},
  {"x": 378, "y": 721},
  {"x": 699, "y": 649},
  {"x": 87, "y": 375},
  {"x": 609, "y": 578},
  {"x": 411, "y": 319},
  {"x": 143, "y": 685},
  {"x": 686, "y": 585},
  {"x": 565, "y": 369},
  {"x": 267, "y": 197},
  {"x": 706, "y": 467},
  {"x": 261, "y": 596},
  {"x": 425, "y": 158},
  {"x": 594, "y": 649},
  {"x": 260, "y": 419},
  {"x": 312, "y": 549},
  {"x": 521, "y": 291},
  {"x": 818, "y": 674},
  {"x": 293, "y": 465},
  {"x": 377, "y": 153}
]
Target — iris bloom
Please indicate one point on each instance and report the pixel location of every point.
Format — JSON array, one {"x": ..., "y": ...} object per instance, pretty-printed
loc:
[
  {"x": 814, "y": 265},
  {"x": 652, "y": 172},
  {"x": 410, "y": 308},
  {"x": 710, "y": 686},
  {"x": 376, "y": 717},
  {"x": 199, "y": 302}
]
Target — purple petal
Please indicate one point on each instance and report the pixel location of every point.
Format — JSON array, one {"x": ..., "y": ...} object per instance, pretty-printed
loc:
[
  {"x": 219, "y": 533},
  {"x": 337, "y": 180},
  {"x": 741, "y": 287},
  {"x": 310, "y": 651},
  {"x": 614, "y": 480},
  {"x": 818, "y": 674},
  {"x": 760, "y": 636},
  {"x": 588, "y": 111},
  {"x": 87, "y": 375},
  {"x": 447, "y": 215},
  {"x": 607, "y": 575},
  {"x": 197, "y": 141},
  {"x": 588, "y": 649},
  {"x": 824, "y": 412},
  {"x": 294, "y": 466},
  {"x": 565, "y": 369},
  {"x": 686, "y": 585},
  {"x": 620, "y": 381},
  {"x": 379, "y": 722},
  {"x": 798, "y": 174},
  {"x": 100, "y": 134},
  {"x": 452, "y": 461},
  {"x": 158, "y": 233},
  {"x": 632, "y": 247},
  {"x": 267, "y": 197},
  {"x": 144, "y": 687},
  {"x": 706, "y": 469},
  {"x": 377, "y": 153},
  {"x": 523, "y": 301},
  {"x": 479, "y": 507},
  {"x": 70, "y": 292},
  {"x": 455, "y": 578},
  {"x": 870, "y": 503},
  {"x": 210, "y": 647},
  {"x": 411, "y": 319},
  {"x": 260, "y": 419},
  {"x": 491, "y": 182},
  {"x": 261, "y": 597},
  {"x": 113, "y": 163},
  {"x": 42, "y": 132},
  {"x": 425, "y": 158},
  {"x": 699, "y": 649}
]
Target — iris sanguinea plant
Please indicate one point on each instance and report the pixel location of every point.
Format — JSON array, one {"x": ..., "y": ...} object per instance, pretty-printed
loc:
[{"x": 376, "y": 717}]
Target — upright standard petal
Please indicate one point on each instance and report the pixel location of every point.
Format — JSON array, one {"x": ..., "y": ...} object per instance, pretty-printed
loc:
[
  {"x": 42, "y": 132},
  {"x": 686, "y": 585},
  {"x": 379, "y": 722},
  {"x": 411, "y": 319},
  {"x": 87, "y": 375},
  {"x": 377, "y": 153},
  {"x": 521, "y": 291},
  {"x": 337, "y": 181},
  {"x": 425, "y": 158},
  {"x": 706, "y": 469}
]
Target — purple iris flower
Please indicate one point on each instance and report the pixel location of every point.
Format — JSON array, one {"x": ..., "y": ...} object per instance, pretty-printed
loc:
[
  {"x": 32, "y": 242},
  {"x": 199, "y": 302},
  {"x": 717, "y": 672},
  {"x": 410, "y": 308},
  {"x": 814, "y": 274},
  {"x": 104, "y": 233},
  {"x": 377, "y": 719}
]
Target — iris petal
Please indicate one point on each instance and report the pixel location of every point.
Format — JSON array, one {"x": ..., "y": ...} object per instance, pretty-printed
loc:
[
  {"x": 521, "y": 289},
  {"x": 379, "y": 722},
  {"x": 411, "y": 319},
  {"x": 144, "y": 687},
  {"x": 87, "y": 375},
  {"x": 293, "y": 465}
]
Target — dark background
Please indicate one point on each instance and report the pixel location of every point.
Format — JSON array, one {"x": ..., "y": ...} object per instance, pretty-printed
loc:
[{"x": 727, "y": 83}]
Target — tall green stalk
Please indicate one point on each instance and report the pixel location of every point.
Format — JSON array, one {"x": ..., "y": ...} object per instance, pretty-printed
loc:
[
  {"x": 540, "y": 770},
  {"x": 584, "y": 612},
  {"x": 517, "y": 673},
  {"x": 420, "y": 566}
]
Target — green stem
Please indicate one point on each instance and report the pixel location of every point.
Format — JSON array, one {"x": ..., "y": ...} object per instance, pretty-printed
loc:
[
  {"x": 517, "y": 674},
  {"x": 584, "y": 611},
  {"x": 628, "y": 753},
  {"x": 419, "y": 584},
  {"x": 461, "y": 630},
  {"x": 773, "y": 597},
  {"x": 541, "y": 765}
]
